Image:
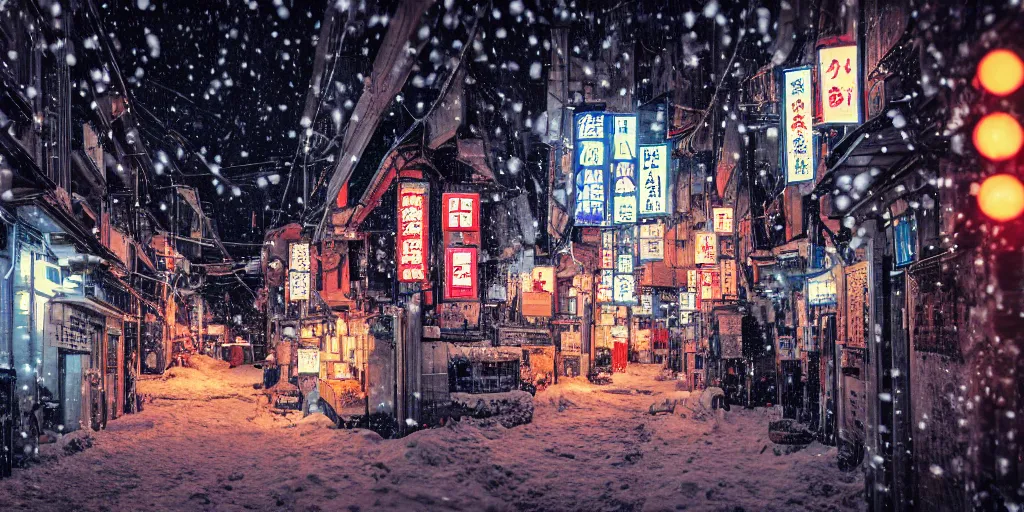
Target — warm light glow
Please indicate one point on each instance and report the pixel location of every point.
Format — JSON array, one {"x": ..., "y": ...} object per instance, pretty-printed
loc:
[
  {"x": 1001, "y": 197},
  {"x": 998, "y": 136},
  {"x": 1001, "y": 72}
]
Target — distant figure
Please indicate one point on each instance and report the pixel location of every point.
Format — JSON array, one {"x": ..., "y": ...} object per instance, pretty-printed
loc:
[{"x": 236, "y": 355}]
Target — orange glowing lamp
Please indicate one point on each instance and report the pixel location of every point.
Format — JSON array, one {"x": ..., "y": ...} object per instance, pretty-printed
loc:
[
  {"x": 1001, "y": 197},
  {"x": 998, "y": 136},
  {"x": 1001, "y": 72}
]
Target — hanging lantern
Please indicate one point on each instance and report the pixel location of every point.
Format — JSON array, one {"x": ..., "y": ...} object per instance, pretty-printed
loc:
[
  {"x": 1001, "y": 72},
  {"x": 1001, "y": 197},
  {"x": 998, "y": 136}
]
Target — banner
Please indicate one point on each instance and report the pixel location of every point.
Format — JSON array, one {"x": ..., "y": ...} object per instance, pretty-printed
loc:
[
  {"x": 623, "y": 169},
  {"x": 729, "y": 279},
  {"x": 797, "y": 120},
  {"x": 839, "y": 78},
  {"x": 652, "y": 242},
  {"x": 460, "y": 270},
  {"x": 591, "y": 169},
  {"x": 705, "y": 248},
  {"x": 722, "y": 220},
  {"x": 624, "y": 282},
  {"x": 412, "y": 231},
  {"x": 655, "y": 191},
  {"x": 461, "y": 212}
]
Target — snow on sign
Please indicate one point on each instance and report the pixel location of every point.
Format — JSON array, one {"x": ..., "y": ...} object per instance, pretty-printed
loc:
[
  {"x": 460, "y": 273},
  {"x": 654, "y": 180},
  {"x": 591, "y": 169},
  {"x": 461, "y": 212},
  {"x": 798, "y": 106},
  {"x": 706, "y": 249},
  {"x": 412, "y": 231},
  {"x": 722, "y": 219},
  {"x": 624, "y": 154},
  {"x": 839, "y": 80},
  {"x": 298, "y": 271}
]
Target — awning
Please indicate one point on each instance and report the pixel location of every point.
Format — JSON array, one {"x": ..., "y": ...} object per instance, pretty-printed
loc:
[{"x": 91, "y": 304}]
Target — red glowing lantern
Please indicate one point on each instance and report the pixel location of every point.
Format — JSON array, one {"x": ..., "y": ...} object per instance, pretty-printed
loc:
[
  {"x": 1001, "y": 72},
  {"x": 998, "y": 136}
]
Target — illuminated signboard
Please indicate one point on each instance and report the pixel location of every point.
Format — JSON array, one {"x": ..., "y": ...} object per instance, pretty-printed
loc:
[
  {"x": 705, "y": 248},
  {"x": 688, "y": 301},
  {"x": 797, "y": 120},
  {"x": 460, "y": 265},
  {"x": 722, "y": 220},
  {"x": 655, "y": 191},
  {"x": 543, "y": 279},
  {"x": 839, "y": 80},
  {"x": 729, "y": 278},
  {"x": 460, "y": 212},
  {"x": 691, "y": 278},
  {"x": 298, "y": 271},
  {"x": 309, "y": 361},
  {"x": 608, "y": 249},
  {"x": 710, "y": 284},
  {"x": 624, "y": 289},
  {"x": 652, "y": 242},
  {"x": 591, "y": 169},
  {"x": 623, "y": 169},
  {"x": 821, "y": 290},
  {"x": 412, "y": 231}
]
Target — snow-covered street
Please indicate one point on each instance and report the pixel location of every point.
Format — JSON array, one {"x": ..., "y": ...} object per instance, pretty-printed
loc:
[{"x": 206, "y": 443}]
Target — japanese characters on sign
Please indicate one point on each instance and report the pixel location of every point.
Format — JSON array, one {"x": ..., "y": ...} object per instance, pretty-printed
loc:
[
  {"x": 652, "y": 242},
  {"x": 624, "y": 289},
  {"x": 623, "y": 169},
  {"x": 543, "y": 279},
  {"x": 688, "y": 301},
  {"x": 412, "y": 231},
  {"x": 309, "y": 361},
  {"x": 624, "y": 282},
  {"x": 604, "y": 287},
  {"x": 838, "y": 77},
  {"x": 722, "y": 219},
  {"x": 729, "y": 279},
  {"x": 461, "y": 212},
  {"x": 858, "y": 291},
  {"x": 655, "y": 191},
  {"x": 460, "y": 273},
  {"x": 591, "y": 169},
  {"x": 705, "y": 248},
  {"x": 821, "y": 290},
  {"x": 646, "y": 307},
  {"x": 710, "y": 284},
  {"x": 797, "y": 121},
  {"x": 608, "y": 249},
  {"x": 298, "y": 271}
]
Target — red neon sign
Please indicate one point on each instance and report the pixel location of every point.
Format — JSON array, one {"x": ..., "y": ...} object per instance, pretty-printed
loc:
[
  {"x": 460, "y": 271},
  {"x": 412, "y": 231}
]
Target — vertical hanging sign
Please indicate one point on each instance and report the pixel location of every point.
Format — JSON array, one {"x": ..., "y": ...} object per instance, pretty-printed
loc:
[
  {"x": 460, "y": 273},
  {"x": 654, "y": 180},
  {"x": 623, "y": 169},
  {"x": 591, "y": 169},
  {"x": 624, "y": 282},
  {"x": 797, "y": 119},
  {"x": 298, "y": 271},
  {"x": 604, "y": 287},
  {"x": 412, "y": 231},
  {"x": 705, "y": 249},
  {"x": 608, "y": 250},
  {"x": 729, "y": 279},
  {"x": 839, "y": 79},
  {"x": 710, "y": 284}
]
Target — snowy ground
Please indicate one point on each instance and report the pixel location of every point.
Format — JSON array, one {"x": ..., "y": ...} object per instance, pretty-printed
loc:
[{"x": 207, "y": 444}]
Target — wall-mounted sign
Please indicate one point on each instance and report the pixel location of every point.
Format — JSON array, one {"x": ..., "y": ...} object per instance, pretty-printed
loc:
[
  {"x": 624, "y": 289},
  {"x": 624, "y": 282},
  {"x": 710, "y": 283},
  {"x": 839, "y": 76},
  {"x": 309, "y": 361},
  {"x": 722, "y": 220},
  {"x": 688, "y": 301},
  {"x": 655, "y": 191},
  {"x": 460, "y": 211},
  {"x": 458, "y": 316},
  {"x": 728, "y": 271},
  {"x": 572, "y": 343},
  {"x": 537, "y": 304},
  {"x": 821, "y": 290},
  {"x": 730, "y": 335},
  {"x": 604, "y": 287},
  {"x": 298, "y": 271},
  {"x": 608, "y": 249},
  {"x": 646, "y": 306},
  {"x": 691, "y": 279},
  {"x": 705, "y": 248},
  {"x": 623, "y": 169},
  {"x": 858, "y": 289},
  {"x": 591, "y": 169},
  {"x": 518, "y": 336},
  {"x": 460, "y": 273},
  {"x": 652, "y": 242},
  {"x": 412, "y": 231},
  {"x": 797, "y": 120},
  {"x": 543, "y": 279}
]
